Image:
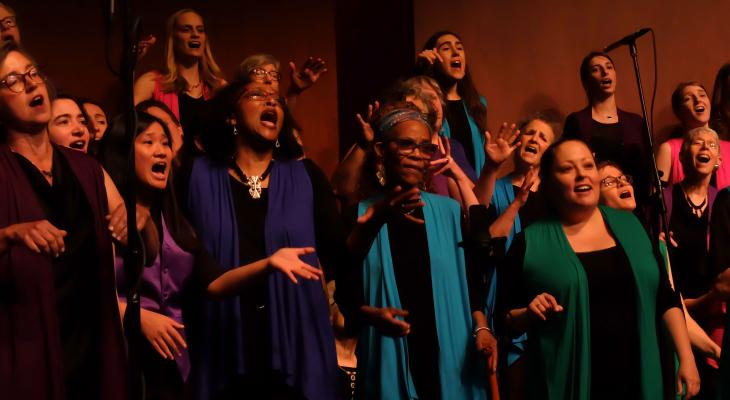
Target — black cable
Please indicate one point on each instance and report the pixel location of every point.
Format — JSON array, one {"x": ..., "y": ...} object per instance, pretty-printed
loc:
[{"x": 656, "y": 79}]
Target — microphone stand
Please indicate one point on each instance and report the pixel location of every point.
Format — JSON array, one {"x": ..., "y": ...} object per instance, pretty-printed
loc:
[
  {"x": 134, "y": 251},
  {"x": 657, "y": 205}
]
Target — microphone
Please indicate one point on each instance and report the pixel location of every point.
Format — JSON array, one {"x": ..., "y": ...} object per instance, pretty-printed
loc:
[{"x": 626, "y": 39}]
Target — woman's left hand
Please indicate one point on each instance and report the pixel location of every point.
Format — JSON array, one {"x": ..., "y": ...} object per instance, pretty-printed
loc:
[
  {"x": 688, "y": 376},
  {"x": 118, "y": 221},
  {"x": 487, "y": 346}
]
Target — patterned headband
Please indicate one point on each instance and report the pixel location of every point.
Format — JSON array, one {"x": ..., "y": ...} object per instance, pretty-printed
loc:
[{"x": 395, "y": 117}]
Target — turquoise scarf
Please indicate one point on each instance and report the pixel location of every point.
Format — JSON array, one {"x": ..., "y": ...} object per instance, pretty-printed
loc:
[
  {"x": 384, "y": 360},
  {"x": 477, "y": 138}
]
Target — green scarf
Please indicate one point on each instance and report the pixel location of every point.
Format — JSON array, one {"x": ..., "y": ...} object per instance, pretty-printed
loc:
[{"x": 559, "y": 349}]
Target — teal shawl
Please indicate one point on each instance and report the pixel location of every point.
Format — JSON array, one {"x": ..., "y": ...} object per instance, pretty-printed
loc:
[
  {"x": 503, "y": 196},
  {"x": 384, "y": 360},
  {"x": 558, "y": 351},
  {"x": 477, "y": 138}
]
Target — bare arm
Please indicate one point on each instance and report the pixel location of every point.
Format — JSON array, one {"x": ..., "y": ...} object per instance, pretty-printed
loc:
[
  {"x": 346, "y": 177},
  {"x": 687, "y": 373},
  {"x": 285, "y": 260},
  {"x": 664, "y": 161},
  {"x": 144, "y": 87}
]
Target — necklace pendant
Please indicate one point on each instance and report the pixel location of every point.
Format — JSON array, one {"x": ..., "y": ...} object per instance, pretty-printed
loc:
[{"x": 254, "y": 187}]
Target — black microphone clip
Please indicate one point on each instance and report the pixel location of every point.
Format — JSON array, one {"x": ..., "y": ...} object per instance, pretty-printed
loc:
[{"x": 628, "y": 39}]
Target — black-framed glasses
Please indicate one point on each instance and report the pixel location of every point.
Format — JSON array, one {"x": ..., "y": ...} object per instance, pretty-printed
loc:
[
  {"x": 260, "y": 74},
  {"x": 8, "y": 22},
  {"x": 261, "y": 97},
  {"x": 612, "y": 181},
  {"x": 16, "y": 83},
  {"x": 408, "y": 146}
]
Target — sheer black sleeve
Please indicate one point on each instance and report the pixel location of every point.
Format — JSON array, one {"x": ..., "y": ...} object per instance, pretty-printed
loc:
[
  {"x": 720, "y": 234},
  {"x": 510, "y": 292},
  {"x": 328, "y": 228},
  {"x": 666, "y": 297}
]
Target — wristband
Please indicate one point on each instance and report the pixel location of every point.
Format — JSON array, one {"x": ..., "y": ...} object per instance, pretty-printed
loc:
[{"x": 481, "y": 328}]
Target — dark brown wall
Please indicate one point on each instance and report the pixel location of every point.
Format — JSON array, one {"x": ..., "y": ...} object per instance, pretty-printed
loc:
[
  {"x": 525, "y": 54},
  {"x": 67, "y": 38}
]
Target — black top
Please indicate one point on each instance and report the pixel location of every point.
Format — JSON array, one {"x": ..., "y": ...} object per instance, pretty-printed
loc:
[
  {"x": 692, "y": 275},
  {"x": 459, "y": 127},
  {"x": 614, "y": 342},
  {"x": 191, "y": 114},
  {"x": 250, "y": 219},
  {"x": 75, "y": 273},
  {"x": 412, "y": 270},
  {"x": 613, "y": 318}
]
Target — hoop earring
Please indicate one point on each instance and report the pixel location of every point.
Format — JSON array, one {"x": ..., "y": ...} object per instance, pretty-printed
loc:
[
  {"x": 235, "y": 131},
  {"x": 277, "y": 145},
  {"x": 717, "y": 166},
  {"x": 380, "y": 174}
]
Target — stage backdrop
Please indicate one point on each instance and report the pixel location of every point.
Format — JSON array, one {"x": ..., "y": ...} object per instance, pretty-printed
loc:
[
  {"x": 67, "y": 38},
  {"x": 524, "y": 55}
]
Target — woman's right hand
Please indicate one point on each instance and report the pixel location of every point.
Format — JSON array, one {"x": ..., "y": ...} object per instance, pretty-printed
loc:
[
  {"x": 366, "y": 130},
  {"x": 429, "y": 57},
  {"x": 163, "y": 333},
  {"x": 288, "y": 262},
  {"x": 500, "y": 147},
  {"x": 544, "y": 305},
  {"x": 397, "y": 202},
  {"x": 385, "y": 321},
  {"x": 39, "y": 236}
]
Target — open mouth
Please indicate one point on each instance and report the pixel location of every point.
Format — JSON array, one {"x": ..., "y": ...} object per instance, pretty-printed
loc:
[
  {"x": 159, "y": 169},
  {"x": 269, "y": 118},
  {"x": 37, "y": 101},
  {"x": 194, "y": 44},
  {"x": 582, "y": 188},
  {"x": 531, "y": 149},
  {"x": 703, "y": 158},
  {"x": 699, "y": 108},
  {"x": 625, "y": 195},
  {"x": 606, "y": 82},
  {"x": 456, "y": 64},
  {"x": 78, "y": 145}
]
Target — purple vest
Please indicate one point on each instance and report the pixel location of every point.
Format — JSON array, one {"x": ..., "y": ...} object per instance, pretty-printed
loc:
[{"x": 162, "y": 286}]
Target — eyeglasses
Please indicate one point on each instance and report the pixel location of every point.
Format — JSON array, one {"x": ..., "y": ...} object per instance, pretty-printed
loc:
[
  {"x": 701, "y": 143},
  {"x": 260, "y": 74},
  {"x": 611, "y": 181},
  {"x": 17, "y": 83},
  {"x": 408, "y": 146},
  {"x": 8, "y": 22},
  {"x": 261, "y": 97}
]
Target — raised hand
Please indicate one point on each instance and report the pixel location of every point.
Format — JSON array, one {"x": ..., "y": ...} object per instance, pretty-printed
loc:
[
  {"x": 544, "y": 305},
  {"x": 288, "y": 262},
  {"x": 500, "y": 147},
  {"x": 429, "y": 57},
  {"x": 367, "y": 132},
  {"x": 398, "y": 202},
  {"x": 163, "y": 333},
  {"x": 531, "y": 179},
  {"x": 144, "y": 46},
  {"x": 308, "y": 74}
]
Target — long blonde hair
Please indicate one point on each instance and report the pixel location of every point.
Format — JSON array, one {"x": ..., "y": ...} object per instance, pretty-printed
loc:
[{"x": 209, "y": 71}]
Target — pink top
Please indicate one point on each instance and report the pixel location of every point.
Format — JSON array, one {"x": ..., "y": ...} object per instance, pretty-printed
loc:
[
  {"x": 170, "y": 98},
  {"x": 676, "y": 173}
]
